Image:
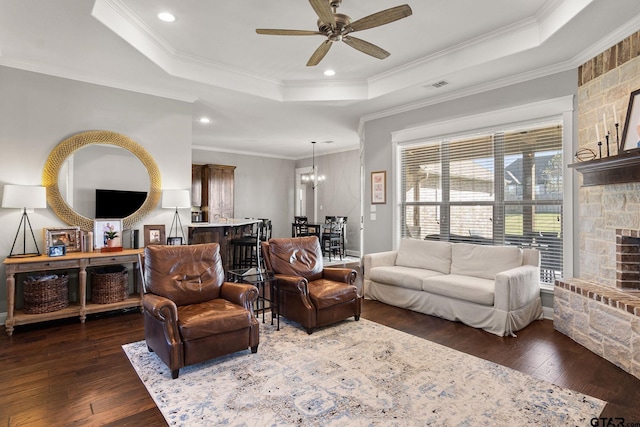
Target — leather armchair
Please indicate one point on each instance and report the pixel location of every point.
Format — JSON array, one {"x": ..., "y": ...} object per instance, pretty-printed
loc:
[
  {"x": 308, "y": 293},
  {"x": 190, "y": 313}
]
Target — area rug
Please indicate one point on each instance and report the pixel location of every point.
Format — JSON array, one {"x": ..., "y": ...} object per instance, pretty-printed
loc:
[{"x": 354, "y": 374}]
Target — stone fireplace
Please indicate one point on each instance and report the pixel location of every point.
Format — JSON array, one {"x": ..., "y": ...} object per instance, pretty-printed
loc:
[{"x": 600, "y": 307}]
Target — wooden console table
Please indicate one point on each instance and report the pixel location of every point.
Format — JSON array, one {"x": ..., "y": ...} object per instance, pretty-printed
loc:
[{"x": 74, "y": 260}]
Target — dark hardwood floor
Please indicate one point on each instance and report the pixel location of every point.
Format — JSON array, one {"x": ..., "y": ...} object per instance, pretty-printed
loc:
[{"x": 67, "y": 373}]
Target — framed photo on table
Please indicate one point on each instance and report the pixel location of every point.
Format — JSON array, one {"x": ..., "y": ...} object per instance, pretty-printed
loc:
[
  {"x": 103, "y": 226},
  {"x": 379, "y": 188},
  {"x": 631, "y": 132},
  {"x": 174, "y": 241},
  {"x": 154, "y": 235},
  {"x": 67, "y": 236}
]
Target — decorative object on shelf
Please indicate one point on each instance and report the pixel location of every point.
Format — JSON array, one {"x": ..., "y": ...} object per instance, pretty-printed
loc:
[
  {"x": 313, "y": 178},
  {"x": 67, "y": 236},
  {"x": 57, "y": 250},
  {"x": 107, "y": 234},
  {"x": 24, "y": 197},
  {"x": 631, "y": 131},
  {"x": 174, "y": 241},
  {"x": 586, "y": 154},
  {"x": 109, "y": 284},
  {"x": 176, "y": 199},
  {"x": 154, "y": 235},
  {"x": 111, "y": 238},
  {"x": 44, "y": 294},
  {"x": 379, "y": 188}
]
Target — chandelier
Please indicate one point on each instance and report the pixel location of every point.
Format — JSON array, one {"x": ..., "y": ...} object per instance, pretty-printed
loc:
[{"x": 313, "y": 178}]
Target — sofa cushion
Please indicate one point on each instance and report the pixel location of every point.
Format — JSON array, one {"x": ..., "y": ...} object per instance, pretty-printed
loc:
[
  {"x": 467, "y": 288},
  {"x": 425, "y": 254},
  {"x": 484, "y": 261},
  {"x": 404, "y": 277}
]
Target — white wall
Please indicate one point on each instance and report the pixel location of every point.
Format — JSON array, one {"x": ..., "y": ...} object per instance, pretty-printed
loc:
[
  {"x": 378, "y": 149},
  {"x": 263, "y": 187},
  {"x": 37, "y": 112}
]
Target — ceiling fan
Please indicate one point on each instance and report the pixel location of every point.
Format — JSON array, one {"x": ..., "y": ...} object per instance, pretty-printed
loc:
[{"x": 337, "y": 27}]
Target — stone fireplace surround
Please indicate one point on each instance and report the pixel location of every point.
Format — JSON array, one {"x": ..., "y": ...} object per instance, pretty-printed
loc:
[
  {"x": 603, "y": 319},
  {"x": 601, "y": 308}
]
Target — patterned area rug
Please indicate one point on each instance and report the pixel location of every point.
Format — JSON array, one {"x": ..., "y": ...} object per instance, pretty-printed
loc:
[{"x": 354, "y": 373}]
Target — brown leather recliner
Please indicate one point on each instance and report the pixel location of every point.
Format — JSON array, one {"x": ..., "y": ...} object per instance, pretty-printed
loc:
[
  {"x": 190, "y": 313},
  {"x": 308, "y": 293}
]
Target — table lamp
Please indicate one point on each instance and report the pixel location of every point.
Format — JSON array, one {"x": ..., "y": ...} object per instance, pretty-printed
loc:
[
  {"x": 176, "y": 199},
  {"x": 24, "y": 197}
]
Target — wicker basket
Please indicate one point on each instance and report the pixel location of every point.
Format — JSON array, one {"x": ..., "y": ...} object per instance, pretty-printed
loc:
[
  {"x": 109, "y": 284},
  {"x": 44, "y": 296}
]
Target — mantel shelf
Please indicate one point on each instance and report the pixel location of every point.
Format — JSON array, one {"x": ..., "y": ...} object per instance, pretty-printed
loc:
[{"x": 622, "y": 168}]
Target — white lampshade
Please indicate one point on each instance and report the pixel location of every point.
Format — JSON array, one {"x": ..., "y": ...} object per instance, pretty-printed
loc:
[
  {"x": 172, "y": 199},
  {"x": 24, "y": 196}
]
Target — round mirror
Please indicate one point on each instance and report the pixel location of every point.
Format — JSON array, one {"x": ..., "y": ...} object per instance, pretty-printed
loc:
[
  {"x": 97, "y": 169},
  {"x": 74, "y": 165}
]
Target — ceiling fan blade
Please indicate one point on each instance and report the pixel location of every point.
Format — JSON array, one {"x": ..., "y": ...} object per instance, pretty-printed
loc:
[
  {"x": 324, "y": 12},
  {"x": 320, "y": 52},
  {"x": 276, "y": 32},
  {"x": 366, "y": 47},
  {"x": 381, "y": 18}
]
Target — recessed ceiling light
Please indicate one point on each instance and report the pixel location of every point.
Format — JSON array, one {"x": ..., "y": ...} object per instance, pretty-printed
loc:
[
  {"x": 166, "y": 17},
  {"x": 329, "y": 73},
  {"x": 205, "y": 120}
]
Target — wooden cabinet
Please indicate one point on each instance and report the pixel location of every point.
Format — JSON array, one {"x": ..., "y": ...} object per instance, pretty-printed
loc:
[
  {"x": 221, "y": 180},
  {"x": 75, "y": 260},
  {"x": 196, "y": 185},
  {"x": 214, "y": 185}
]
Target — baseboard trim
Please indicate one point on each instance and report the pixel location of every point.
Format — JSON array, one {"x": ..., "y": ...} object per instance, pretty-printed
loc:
[{"x": 547, "y": 312}]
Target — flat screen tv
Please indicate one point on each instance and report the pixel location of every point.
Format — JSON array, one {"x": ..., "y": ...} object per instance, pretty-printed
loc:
[{"x": 118, "y": 203}]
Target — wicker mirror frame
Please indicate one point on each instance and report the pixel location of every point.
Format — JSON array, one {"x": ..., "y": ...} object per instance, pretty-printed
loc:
[{"x": 62, "y": 151}]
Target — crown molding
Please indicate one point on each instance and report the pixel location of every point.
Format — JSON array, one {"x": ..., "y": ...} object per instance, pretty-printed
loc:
[{"x": 519, "y": 36}]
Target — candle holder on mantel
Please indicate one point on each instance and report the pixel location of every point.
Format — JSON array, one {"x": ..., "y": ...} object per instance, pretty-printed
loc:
[{"x": 599, "y": 149}]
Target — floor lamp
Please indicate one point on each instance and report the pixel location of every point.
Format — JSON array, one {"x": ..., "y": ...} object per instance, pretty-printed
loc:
[
  {"x": 176, "y": 199},
  {"x": 24, "y": 197}
]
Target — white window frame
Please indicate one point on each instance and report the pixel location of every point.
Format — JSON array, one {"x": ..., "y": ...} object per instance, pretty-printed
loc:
[{"x": 561, "y": 108}]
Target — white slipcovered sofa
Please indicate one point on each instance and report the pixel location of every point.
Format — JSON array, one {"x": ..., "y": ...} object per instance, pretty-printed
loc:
[{"x": 496, "y": 288}]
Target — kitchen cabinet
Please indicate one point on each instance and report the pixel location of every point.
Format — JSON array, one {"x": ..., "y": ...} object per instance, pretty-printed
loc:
[{"x": 214, "y": 185}]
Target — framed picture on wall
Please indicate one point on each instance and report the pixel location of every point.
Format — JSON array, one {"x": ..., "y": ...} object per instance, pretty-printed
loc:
[
  {"x": 154, "y": 235},
  {"x": 378, "y": 187},
  {"x": 631, "y": 132}
]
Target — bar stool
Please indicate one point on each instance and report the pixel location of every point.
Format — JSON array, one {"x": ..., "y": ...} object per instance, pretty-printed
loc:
[{"x": 246, "y": 249}]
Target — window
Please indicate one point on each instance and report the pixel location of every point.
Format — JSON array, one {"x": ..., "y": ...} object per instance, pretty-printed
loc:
[{"x": 502, "y": 187}]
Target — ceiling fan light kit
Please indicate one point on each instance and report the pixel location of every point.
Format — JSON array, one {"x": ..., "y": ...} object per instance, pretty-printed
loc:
[{"x": 336, "y": 27}]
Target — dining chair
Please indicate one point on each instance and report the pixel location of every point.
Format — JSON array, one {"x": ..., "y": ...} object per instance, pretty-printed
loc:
[
  {"x": 332, "y": 237},
  {"x": 301, "y": 226}
]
